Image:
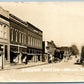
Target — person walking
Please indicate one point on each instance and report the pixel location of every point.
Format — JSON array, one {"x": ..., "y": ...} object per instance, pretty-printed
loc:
[{"x": 50, "y": 58}]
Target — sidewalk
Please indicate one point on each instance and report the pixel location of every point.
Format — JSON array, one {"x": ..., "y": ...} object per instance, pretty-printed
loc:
[{"x": 19, "y": 66}]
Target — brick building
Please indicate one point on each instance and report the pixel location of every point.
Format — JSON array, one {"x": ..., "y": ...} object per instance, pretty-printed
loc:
[
  {"x": 20, "y": 41},
  {"x": 48, "y": 49},
  {"x": 4, "y": 36},
  {"x": 25, "y": 41}
]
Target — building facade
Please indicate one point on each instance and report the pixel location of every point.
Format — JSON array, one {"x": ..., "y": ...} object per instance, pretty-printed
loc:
[
  {"x": 4, "y": 37},
  {"x": 25, "y": 41},
  {"x": 48, "y": 49}
]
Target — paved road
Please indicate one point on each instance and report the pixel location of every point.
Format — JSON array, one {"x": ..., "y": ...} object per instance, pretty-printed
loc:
[{"x": 55, "y": 72}]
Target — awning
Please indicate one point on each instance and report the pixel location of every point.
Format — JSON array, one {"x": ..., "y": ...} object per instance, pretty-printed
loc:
[
  {"x": 33, "y": 54},
  {"x": 24, "y": 52},
  {"x": 15, "y": 52}
]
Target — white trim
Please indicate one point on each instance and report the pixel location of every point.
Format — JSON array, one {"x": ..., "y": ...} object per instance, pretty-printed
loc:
[
  {"x": 33, "y": 54},
  {"x": 18, "y": 45}
]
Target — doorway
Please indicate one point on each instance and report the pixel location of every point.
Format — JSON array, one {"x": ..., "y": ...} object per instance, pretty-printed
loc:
[{"x": 6, "y": 53}]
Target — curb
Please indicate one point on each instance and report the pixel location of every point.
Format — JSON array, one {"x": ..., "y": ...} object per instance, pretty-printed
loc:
[{"x": 24, "y": 66}]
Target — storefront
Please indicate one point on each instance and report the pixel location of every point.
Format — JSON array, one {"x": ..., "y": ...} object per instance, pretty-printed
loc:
[{"x": 4, "y": 38}]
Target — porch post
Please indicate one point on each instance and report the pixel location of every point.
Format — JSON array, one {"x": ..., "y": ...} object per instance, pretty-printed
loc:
[
  {"x": 8, "y": 53},
  {"x": 19, "y": 60}
]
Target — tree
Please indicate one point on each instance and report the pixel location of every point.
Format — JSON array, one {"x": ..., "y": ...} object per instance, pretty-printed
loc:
[
  {"x": 82, "y": 54},
  {"x": 74, "y": 50}
]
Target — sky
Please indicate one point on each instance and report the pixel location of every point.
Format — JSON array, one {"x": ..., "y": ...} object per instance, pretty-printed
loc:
[{"x": 62, "y": 22}]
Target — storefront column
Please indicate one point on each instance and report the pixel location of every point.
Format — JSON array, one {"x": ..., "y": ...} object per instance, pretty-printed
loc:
[
  {"x": 40, "y": 57},
  {"x": 19, "y": 58},
  {"x": 33, "y": 58},
  {"x": 36, "y": 58},
  {"x": 8, "y": 52}
]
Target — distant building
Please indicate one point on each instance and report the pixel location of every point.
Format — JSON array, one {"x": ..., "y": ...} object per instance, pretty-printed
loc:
[
  {"x": 64, "y": 51},
  {"x": 48, "y": 49}
]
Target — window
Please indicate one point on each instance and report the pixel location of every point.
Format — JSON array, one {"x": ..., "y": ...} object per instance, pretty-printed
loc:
[
  {"x": 19, "y": 37},
  {"x": 0, "y": 30},
  {"x": 11, "y": 31},
  {"x": 31, "y": 41},
  {"x": 36, "y": 42},
  {"x": 5, "y": 31},
  {"x": 22, "y": 38},
  {"x": 28, "y": 40},
  {"x": 16, "y": 33},
  {"x": 40, "y": 43}
]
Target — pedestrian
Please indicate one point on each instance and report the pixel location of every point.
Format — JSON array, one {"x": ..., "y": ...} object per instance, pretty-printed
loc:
[
  {"x": 50, "y": 58},
  {"x": 26, "y": 61}
]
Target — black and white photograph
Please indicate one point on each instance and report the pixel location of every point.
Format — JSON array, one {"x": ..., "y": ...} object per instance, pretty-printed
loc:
[{"x": 42, "y": 41}]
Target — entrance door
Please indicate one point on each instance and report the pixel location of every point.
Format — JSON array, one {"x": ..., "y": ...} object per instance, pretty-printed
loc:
[
  {"x": 38, "y": 57},
  {"x": 6, "y": 54}
]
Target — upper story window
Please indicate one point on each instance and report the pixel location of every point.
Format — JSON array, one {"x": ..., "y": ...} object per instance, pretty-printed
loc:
[
  {"x": 5, "y": 31},
  {"x": 1, "y": 30},
  {"x": 36, "y": 42},
  {"x": 19, "y": 37},
  {"x": 22, "y": 37},
  {"x": 31, "y": 40},
  {"x": 11, "y": 33},
  {"x": 40, "y": 43},
  {"x": 16, "y": 35},
  {"x": 28, "y": 40}
]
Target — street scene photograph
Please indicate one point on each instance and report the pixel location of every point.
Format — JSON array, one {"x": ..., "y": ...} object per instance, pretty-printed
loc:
[{"x": 42, "y": 41}]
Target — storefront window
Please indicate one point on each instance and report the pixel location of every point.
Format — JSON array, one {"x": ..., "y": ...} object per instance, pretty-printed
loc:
[{"x": 5, "y": 31}]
